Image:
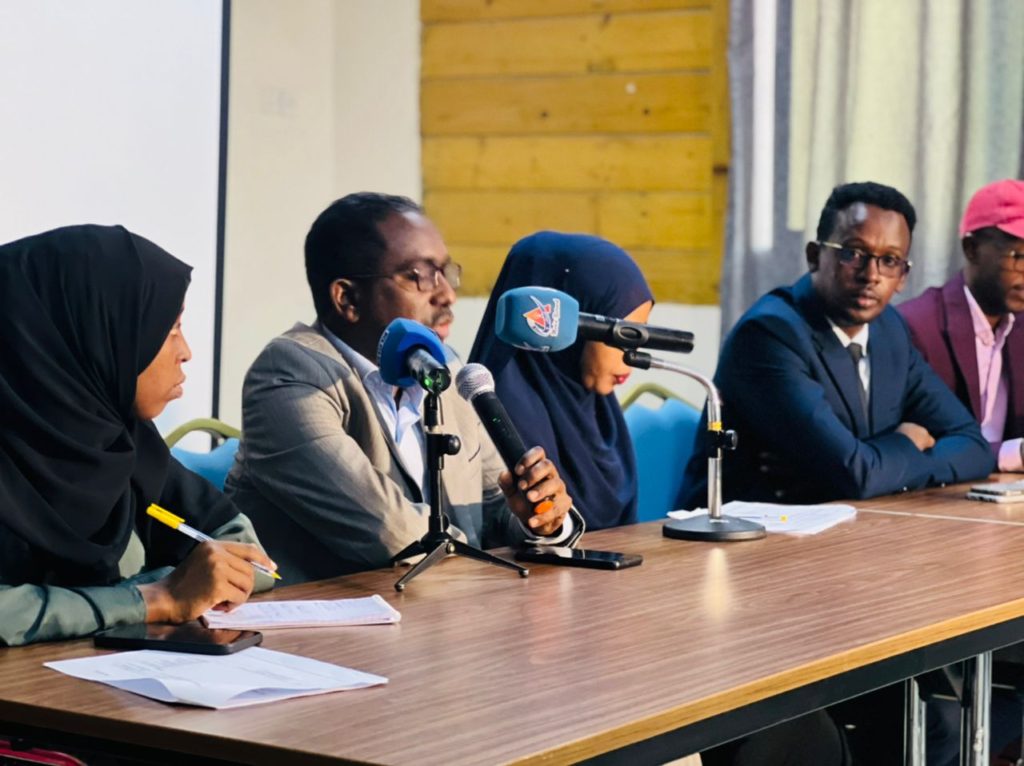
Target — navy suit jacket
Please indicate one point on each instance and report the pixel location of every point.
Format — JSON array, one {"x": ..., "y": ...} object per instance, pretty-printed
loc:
[
  {"x": 942, "y": 330},
  {"x": 791, "y": 392}
]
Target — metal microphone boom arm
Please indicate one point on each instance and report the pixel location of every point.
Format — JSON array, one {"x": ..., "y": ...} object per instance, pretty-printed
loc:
[
  {"x": 714, "y": 527},
  {"x": 633, "y": 335}
]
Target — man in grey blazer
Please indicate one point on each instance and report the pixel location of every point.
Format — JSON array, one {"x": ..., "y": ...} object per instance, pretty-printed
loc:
[{"x": 331, "y": 465}]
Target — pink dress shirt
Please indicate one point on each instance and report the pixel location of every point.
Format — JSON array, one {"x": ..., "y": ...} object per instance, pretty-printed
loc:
[{"x": 995, "y": 383}]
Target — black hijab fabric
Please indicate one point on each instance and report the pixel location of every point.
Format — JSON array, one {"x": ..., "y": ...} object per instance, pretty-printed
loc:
[
  {"x": 83, "y": 311},
  {"x": 582, "y": 432}
]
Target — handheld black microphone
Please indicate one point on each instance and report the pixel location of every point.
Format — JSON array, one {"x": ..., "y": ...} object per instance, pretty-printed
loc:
[{"x": 476, "y": 385}]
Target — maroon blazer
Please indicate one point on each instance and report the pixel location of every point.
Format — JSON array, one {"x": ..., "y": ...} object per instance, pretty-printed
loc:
[{"x": 941, "y": 328}]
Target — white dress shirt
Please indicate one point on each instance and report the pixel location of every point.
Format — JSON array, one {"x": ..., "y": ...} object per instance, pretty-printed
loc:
[
  {"x": 864, "y": 366},
  {"x": 401, "y": 412}
]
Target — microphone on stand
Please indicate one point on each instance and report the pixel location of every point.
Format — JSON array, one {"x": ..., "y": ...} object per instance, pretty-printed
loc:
[
  {"x": 544, "y": 319},
  {"x": 408, "y": 353}
]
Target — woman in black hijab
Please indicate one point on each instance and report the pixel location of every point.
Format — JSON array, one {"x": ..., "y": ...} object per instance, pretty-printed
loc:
[
  {"x": 91, "y": 351},
  {"x": 563, "y": 401}
]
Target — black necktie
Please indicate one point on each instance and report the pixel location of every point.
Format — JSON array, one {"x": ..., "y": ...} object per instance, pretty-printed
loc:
[{"x": 856, "y": 354}]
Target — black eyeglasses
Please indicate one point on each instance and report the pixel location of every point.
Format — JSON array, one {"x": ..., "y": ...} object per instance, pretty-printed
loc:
[
  {"x": 1018, "y": 259},
  {"x": 1017, "y": 256},
  {"x": 425, "y": 275},
  {"x": 853, "y": 258},
  {"x": 998, "y": 242}
]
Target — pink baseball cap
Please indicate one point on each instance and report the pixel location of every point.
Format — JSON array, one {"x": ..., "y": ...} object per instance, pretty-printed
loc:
[{"x": 1000, "y": 204}]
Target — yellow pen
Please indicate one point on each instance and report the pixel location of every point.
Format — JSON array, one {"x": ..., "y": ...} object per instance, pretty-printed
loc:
[{"x": 176, "y": 522}]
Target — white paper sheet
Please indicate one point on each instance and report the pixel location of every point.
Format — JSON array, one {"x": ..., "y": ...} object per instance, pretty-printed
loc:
[
  {"x": 788, "y": 519},
  {"x": 248, "y": 678},
  {"x": 267, "y": 615}
]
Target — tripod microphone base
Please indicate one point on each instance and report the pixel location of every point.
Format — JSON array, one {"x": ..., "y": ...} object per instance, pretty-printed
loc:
[
  {"x": 706, "y": 529},
  {"x": 437, "y": 545}
]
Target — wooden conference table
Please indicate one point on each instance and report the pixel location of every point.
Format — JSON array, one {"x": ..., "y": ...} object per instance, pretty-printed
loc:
[{"x": 700, "y": 644}]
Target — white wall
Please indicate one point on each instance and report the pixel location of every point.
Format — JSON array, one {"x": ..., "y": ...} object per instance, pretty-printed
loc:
[
  {"x": 324, "y": 101},
  {"x": 109, "y": 114}
]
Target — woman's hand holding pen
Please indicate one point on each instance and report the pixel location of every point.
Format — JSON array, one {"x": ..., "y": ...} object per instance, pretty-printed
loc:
[{"x": 214, "y": 575}]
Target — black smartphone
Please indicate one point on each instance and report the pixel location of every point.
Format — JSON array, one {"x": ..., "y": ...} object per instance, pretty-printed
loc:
[
  {"x": 578, "y": 557},
  {"x": 190, "y": 637}
]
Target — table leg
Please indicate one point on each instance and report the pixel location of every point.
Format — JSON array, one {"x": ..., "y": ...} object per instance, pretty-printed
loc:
[
  {"x": 976, "y": 714},
  {"x": 913, "y": 724}
]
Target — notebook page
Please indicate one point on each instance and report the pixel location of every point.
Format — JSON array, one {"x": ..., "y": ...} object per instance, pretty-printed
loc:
[
  {"x": 268, "y": 615},
  {"x": 250, "y": 677},
  {"x": 787, "y": 519}
]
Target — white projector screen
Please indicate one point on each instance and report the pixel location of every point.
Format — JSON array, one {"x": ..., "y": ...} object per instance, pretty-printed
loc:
[{"x": 110, "y": 112}]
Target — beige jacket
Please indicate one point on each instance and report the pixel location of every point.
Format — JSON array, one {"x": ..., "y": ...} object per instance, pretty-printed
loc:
[{"x": 321, "y": 479}]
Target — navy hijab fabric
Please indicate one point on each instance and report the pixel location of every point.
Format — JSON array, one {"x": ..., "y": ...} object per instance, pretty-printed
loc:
[
  {"x": 83, "y": 310},
  {"x": 582, "y": 432}
]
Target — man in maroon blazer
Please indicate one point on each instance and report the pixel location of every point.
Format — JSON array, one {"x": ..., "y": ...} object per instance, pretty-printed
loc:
[{"x": 971, "y": 330}]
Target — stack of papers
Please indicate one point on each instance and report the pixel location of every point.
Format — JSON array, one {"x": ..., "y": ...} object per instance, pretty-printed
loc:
[
  {"x": 234, "y": 680},
  {"x": 267, "y": 615},
  {"x": 788, "y": 519}
]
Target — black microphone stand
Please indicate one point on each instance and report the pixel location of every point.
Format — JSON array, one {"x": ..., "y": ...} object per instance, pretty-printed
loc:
[
  {"x": 438, "y": 542},
  {"x": 714, "y": 527}
]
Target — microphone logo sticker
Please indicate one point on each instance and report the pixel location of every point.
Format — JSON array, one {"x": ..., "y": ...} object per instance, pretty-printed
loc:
[{"x": 543, "y": 318}]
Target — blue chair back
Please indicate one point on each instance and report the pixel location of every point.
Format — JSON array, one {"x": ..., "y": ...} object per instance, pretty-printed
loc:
[
  {"x": 663, "y": 441},
  {"x": 213, "y": 465}
]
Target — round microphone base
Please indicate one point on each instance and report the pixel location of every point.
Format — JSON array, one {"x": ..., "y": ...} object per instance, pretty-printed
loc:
[{"x": 725, "y": 529}]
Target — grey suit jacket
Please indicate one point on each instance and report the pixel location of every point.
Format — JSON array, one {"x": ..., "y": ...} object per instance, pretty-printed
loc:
[{"x": 321, "y": 478}]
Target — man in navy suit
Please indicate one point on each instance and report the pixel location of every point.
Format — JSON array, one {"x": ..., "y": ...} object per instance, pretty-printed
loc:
[
  {"x": 821, "y": 382},
  {"x": 830, "y": 399}
]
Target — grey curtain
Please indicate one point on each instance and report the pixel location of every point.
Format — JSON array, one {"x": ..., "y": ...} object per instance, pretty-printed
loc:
[{"x": 924, "y": 95}]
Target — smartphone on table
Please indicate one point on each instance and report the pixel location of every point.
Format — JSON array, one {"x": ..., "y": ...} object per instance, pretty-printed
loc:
[
  {"x": 578, "y": 557},
  {"x": 998, "y": 492},
  {"x": 190, "y": 637}
]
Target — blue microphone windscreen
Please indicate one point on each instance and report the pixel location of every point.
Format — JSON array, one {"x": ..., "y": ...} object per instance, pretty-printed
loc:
[
  {"x": 399, "y": 339},
  {"x": 537, "y": 318}
]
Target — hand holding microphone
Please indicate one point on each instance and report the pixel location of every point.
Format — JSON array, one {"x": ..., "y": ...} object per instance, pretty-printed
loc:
[{"x": 535, "y": 491}]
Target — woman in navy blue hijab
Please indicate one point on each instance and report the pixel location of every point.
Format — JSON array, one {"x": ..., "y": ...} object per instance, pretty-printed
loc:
[{"x": 563, "y": 401}]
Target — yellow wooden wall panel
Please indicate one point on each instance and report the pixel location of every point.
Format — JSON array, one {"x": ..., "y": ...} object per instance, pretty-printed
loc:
[
  {"x": 648, "y": 103},
  {"x": 719, "y": 211},
  {"x": 721, "y": 138},
  {"x": 480, "y": 266},
  {"x": 659, "y": 220},
  {"x": 674, "y": 276},
  {"x": 501, "y": 218},
  {"x": 720, "y": 104},
  {"x": 632, "y": 42},
  {"x": 473, "y": 10},
  {"x": 663, "y": 220},
  {"x": 679, "y": 276},
  {"x": 575, "y": 163},
  {"x": 639, "y": 158}
]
